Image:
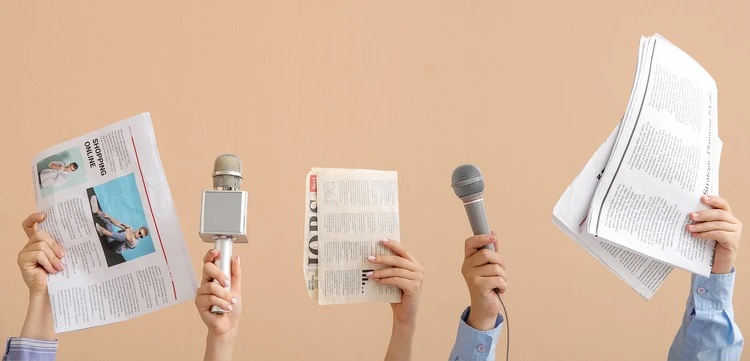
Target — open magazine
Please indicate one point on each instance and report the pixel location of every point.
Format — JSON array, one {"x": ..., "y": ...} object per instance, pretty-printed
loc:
[
  {"x": 347, "y": 213},
  {"x": 106, "y": 201},
  {"x": 629, "y": 206}
]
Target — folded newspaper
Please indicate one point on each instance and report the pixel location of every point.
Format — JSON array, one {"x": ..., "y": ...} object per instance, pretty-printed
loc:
[
  {"x": 347, "y": 213},
  {"x": 630, "y": 204},
  {"x": 106, "y": 201}
]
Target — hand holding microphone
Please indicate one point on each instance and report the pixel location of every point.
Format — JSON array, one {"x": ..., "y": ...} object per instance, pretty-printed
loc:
[
  {"x": 224, "y": 215},
  {"x": 483, "y": 268}
]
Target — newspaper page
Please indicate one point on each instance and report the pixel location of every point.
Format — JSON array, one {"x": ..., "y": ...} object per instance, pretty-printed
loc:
[
  {"x": 106, "y": 201},
  {"x": 310, "y": 241},
  {"x": 643, "y": 274},
  {"x": 355, "y": 210},
  {"x": 663, "y": 160}
]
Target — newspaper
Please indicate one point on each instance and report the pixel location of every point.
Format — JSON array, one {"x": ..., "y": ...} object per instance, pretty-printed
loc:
[
  {"x": 348, "y": 211},
  {"x": 629, "y": 206},
  {"x": 106, "y": 201}
]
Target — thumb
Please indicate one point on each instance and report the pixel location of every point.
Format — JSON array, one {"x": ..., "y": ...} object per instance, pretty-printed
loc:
[
  {"x": 236, "y": 287},
  {"x": 30, "y": 223}
]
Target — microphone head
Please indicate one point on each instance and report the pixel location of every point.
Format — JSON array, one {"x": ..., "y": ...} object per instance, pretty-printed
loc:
[
  {"x": 467, "y": 182},
  {"x": 227, "y": 172}
]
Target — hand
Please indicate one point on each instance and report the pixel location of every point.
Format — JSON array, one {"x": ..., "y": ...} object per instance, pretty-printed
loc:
[
  {"x": 40, "y": 257},
  {"x": 404, "y": 273},
  {"x": 721, "y": 225},
  {"x": 484, "y": 271},
  {"x": 210, "y": 293}
]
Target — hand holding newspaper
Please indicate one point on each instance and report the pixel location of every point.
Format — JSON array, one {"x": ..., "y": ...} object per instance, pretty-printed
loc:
[
  {"x": 347, "y": 211},
  {"x": 106, "y": 201},
  {"x": 629, "y": 206}
]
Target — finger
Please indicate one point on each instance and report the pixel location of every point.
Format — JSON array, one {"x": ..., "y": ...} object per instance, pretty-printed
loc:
[
  {"x": 496, "y": 242},
  {"x": 212, "y": 272},
  {"x": 30, "y": 223},
  {"x": 210, "y": 256},
  {"x": 716, "y": 202},
  {"x": 491, "y": 283},
  {"x": 406, "y": 285},
  {"x": 394, "y": 261},
  {"x": 713, "y": 215},
  {"x": 204, "y": 302},
  {"x": 37, "y": 259},
  {"x": 489, "y": 270},
  {"x": 43, "y": 248},
  {"x": 397, "y": 248},
  {"x": 213, "y": 288},
  {"x": 392, "y": 272},
  {"x": 722, "y": 237},
  {"x": 236, "y": 277},
  {"x": 711, "y": 226},
  {"x": 471, "y": 245},
  {"x": 483, "y": 257},
  {"x": 44, "y": 237}
]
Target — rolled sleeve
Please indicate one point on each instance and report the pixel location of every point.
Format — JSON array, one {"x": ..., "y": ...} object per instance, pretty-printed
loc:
[
  {"x": 708, "y": 330},
  {"x": 25, "y": 349},
  {"x": 475, "y": 345}
]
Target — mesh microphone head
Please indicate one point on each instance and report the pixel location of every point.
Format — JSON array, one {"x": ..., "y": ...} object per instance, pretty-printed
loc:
[
  {"x": 227, "y": 172},
  {"x": 467, "y": 182}
]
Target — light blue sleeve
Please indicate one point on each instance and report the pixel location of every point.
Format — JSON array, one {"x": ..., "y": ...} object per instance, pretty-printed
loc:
[
  {"x": 474, "y": 345},
  {"x": 26, "y": 349},
  {"x": 708, "y": 330}
]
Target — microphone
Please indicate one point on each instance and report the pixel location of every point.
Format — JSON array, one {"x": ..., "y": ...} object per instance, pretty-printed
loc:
[
  {"x": 467, "y": 182},
  {"x": 224, "y": 213}
]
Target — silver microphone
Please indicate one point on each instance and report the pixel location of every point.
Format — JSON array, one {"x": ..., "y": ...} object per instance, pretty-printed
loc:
[
  {"x": 224, "y": 213},
  {"x": 467, "y": 182}
]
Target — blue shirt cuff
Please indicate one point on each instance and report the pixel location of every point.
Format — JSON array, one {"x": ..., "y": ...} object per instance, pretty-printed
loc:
[
  {"x": 714, "y": 292},
  {"x": 26, "y": 349},
  {"x": 475, "y": 345}
]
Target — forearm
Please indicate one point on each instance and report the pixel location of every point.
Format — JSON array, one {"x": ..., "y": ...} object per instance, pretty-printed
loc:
[
  {"x": 402, "y": 341},
  {"x": 219, "y": 348},
  {"x": 38, "y": 324}
]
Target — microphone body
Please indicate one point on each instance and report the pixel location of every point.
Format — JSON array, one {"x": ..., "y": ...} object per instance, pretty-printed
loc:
[
  {"x": 478, "y": 219},
  {"x": 224, "y": 213}
]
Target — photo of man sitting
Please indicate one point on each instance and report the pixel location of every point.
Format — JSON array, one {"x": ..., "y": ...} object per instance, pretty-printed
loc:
[{"x": 118, "y": 240}]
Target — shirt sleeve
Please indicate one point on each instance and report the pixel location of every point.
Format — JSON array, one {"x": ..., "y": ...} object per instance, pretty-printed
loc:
[
  {"x": 708, "y": 330},
  {"x": 26, "y": 349},
  {"x": 474, "y": 345}
]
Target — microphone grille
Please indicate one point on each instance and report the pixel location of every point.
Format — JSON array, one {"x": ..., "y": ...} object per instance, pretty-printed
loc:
[
  {"x": 467, "y": 180},
  {"x": 227, "y": 172}
]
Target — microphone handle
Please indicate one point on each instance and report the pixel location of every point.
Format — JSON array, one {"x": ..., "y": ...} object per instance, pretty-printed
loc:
[
  {"x": 224, "y": 262},
  {"x": 478, "y": 219}
]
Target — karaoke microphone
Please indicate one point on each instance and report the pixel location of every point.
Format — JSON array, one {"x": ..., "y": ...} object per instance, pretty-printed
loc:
[
  {"x": 467, "y": 182},
  {"x": 224, "y": 213}
]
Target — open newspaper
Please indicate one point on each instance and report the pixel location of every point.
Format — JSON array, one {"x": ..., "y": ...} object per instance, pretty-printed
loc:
[
  {"x": 629, "y": 206},
  {"x": 106, "y": 201},
  {"x": 347, "y": 213}
]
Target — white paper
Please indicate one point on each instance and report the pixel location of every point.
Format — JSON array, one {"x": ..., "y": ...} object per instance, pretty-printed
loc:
[
  {"x": 662, "y": 162},
  {"x": 95, "y": 211},
  {"x": 355, "y": 210}
]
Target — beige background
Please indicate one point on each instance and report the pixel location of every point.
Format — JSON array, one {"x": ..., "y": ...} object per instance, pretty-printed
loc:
[{"x": 525, "y": 89}]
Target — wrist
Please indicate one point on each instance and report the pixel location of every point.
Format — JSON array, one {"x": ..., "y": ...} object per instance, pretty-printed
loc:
[
  {"x": 219, "y": 347},
  {"x": 481, "y": 319}
]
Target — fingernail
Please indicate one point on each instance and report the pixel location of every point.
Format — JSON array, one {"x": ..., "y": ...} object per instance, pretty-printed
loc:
[
  {"x": 62, "y": 266},
  {"x": 226, "y": 283},
  {"x": 213, "y": 251},
  {"x": 375, "y": 280},
  {"x": 696, "y": 215},
  {"x": 61, "y": 252},
  {"x": 691, "y": 227},
  {"x": 492, "y": 237},
  {"x": 238, "y": 259},
  {"x": 707, "y": 198},
  {"x": 368, "y": 274},
  {"x": 234, "y": 301},
  {"x": 229, "y": 308},
  {"x": 385, "y": 240},
  {"x": 371, "y": 258}
]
